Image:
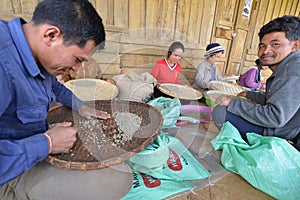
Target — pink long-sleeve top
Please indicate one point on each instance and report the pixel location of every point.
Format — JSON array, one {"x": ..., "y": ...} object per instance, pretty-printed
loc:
[{"x": 250, "y": 79}]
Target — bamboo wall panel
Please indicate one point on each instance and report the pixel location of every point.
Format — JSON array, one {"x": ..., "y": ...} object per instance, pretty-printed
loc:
[
  {"x": 152, "y": 18},
  {"x": 267, "y": 11},
  {"x": 120, "y": 11},
  {"x": 6, "y": 7},
  {"x": 105, "y": 9},
  {"x": 182, "y": 20},
  {"x": 27, "y": 7},
  {"x": 262, "y": 13},
  {"x": 137, "y": 18},
  {"x": 207, "y": 23},
  {"x": 196, "y": 17},
  {"x": 227, "y": 11},
  {"x": 277, "y": 8},
  {"x": 160, "y": 19},
  {"x": 297, "y": 11}
]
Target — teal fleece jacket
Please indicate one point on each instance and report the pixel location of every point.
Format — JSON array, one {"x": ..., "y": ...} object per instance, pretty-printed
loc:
[{"x": 278, "y": 110}]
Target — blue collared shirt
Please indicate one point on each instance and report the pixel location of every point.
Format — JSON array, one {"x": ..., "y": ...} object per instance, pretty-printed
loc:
[{"x": 26, "y": 92}]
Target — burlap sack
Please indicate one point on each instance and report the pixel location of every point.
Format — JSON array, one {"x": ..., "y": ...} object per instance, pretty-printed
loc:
[{"x": 135, "y": 87}]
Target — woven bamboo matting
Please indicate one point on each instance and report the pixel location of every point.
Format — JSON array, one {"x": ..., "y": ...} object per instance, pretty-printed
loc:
[
  {"x": 110, "y": 151},
  {"x": 214, "y": 94},
  {"x": 92, "y": 89},
  {"x": 180, "y": 91},
  {"x": 226, "y": 87}
]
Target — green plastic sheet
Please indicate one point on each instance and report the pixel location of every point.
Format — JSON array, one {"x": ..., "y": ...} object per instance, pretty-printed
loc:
[
  {"x": 169, "y": 108},
  {"x": 171, "y": 161},
  {"x": 270, "y": 164},
  {"x": 171, "y": 177}
]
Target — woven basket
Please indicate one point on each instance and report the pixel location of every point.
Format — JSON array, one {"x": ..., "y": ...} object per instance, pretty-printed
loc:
[
  {"x": 180, "y": 91},
  {"x": 226, "y": 87},
  {"x": 92, "y": 89},
  {"x": 110, "y": 151},
  {"x": 212, "y": 95}
]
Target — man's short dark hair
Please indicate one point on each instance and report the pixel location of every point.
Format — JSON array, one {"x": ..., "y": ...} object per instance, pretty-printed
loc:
[
  {"x": 77, "y": 19},
  {"x": 288, "y": 24}
]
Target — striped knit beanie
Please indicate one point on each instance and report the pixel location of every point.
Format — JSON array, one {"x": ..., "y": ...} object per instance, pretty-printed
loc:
[{"x": 213, "y": 49}]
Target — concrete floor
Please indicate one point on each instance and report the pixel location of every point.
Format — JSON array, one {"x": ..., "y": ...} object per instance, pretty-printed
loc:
[
  {"x": 222, "y": 184},
  {"x": 230, "y": 187}
]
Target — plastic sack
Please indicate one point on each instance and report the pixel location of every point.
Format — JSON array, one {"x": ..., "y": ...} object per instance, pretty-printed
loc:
[
  {"x": 194, "y": 114},
  {"x": 270, "y": 164},
  {"x": 154, "y": 155},
  {"x": 171, "y": 178},
  {"x": 169, "y": 108},
  {"x": 148, "y": 188},
  {"x": 201, "y": 113},
  {"x": 179, "y": 165}
]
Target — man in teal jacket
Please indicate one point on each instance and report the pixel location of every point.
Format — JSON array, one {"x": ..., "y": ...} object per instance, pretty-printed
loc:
[{"x": 276, "y": 112}]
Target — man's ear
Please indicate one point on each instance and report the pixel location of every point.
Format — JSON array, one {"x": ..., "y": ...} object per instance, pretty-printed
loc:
[
  {"x": 51, "y": 34},
  {"x": 296, "y": 45}
]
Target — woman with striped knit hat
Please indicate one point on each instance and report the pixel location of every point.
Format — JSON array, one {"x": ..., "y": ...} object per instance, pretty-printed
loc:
[{"x": 207, "y": 70}]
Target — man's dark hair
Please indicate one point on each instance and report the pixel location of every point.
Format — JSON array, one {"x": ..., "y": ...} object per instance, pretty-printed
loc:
[
  {"x": 288, "y": 24},
  {"x": 77, "y": 19}
]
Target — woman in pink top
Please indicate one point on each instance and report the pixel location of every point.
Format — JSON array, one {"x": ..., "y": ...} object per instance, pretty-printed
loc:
[
  {"x": 252, "y": 77},
  {"x": 168, "y": 69}
]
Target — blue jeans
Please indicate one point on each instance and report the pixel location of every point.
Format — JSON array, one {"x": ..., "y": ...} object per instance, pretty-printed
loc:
[{"x": 221, "y": 115}]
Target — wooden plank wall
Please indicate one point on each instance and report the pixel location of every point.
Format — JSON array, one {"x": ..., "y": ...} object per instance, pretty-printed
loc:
[
  {"x": 267, "y": 10},
  {"x": 147, "y": 29},
  {"x": 139, "y": 32}
]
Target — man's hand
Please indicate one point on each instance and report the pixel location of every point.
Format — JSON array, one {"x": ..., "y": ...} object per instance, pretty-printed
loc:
[
  {"x": 223, "y": 100},
  {"x": 88, "y": 112},
  {"x": 62, "y": 137},
  {"x": 242, "y": 94},
  {"x": 211, "y": 86}
]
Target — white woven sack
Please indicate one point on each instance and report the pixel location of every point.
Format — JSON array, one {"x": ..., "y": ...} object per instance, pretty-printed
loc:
[{"x": 135, "y": 87}]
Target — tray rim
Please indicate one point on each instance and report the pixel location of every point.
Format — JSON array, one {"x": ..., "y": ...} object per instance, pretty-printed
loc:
[
  {"x": 76, "y": 165},
  {"x": 227, "y": 83},
  {"x": 113, "y": 88},
  {"x": 199, "y": 94}
]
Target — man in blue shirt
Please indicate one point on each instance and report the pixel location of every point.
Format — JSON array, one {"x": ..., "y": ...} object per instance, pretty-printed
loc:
[{"x": 61, "y": 35}]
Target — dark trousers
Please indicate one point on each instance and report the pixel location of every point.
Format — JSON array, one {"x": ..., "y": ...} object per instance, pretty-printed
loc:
[{"x": 221, "y": 115}]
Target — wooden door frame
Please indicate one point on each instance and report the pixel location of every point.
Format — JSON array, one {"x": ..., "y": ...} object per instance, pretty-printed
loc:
[
  {"x": 243, "y": 24},
  {"x": 237, "y": 22}
]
